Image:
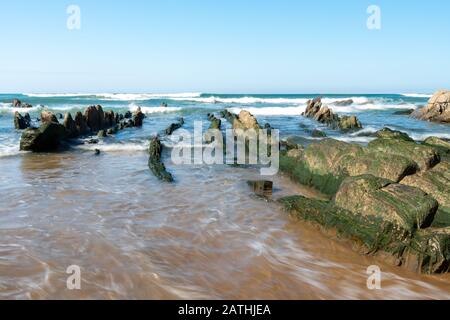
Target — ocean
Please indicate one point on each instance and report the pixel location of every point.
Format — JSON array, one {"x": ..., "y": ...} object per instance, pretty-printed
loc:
[{"x": 204, "y": 237}]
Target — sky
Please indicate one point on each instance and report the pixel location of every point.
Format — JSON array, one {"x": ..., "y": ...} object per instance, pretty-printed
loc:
[{"x": 224, "y": 46}]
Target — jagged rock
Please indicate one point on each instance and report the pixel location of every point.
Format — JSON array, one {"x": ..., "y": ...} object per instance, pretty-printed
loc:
[
  {"x": 21, "y": 122},
  {"x": 128, "y": 115},
  {"x": 437, "y": 110},
  {"x": 81, "y": 124},
  {"x": 110, "y": 119},
  {"x": 349, "y": 123},
  {"x": 94, "y": 118},
  {"x": 16, "y": 103},
  {"x": 174, "y": 126},
  {"x": 155, "y": 162},
  {"x": 215, "y": 122},
  {"x": 323, "y": 114},
  {"x": 47, "y": 116},
  {"x": 246, "y": 121},
  {"x": 102, "y": 134},
  {"x": 45, "y": 138},
  {"x": 138, "y": 118},
  {"x": 71, "y": 127}
]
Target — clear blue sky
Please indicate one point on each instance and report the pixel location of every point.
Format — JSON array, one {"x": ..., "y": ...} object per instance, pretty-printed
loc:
[{"x": 248, "y": 46}]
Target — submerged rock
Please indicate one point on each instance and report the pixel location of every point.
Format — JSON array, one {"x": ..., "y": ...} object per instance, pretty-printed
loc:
[
  {"x": 438, "y": 108},
  {"x": 262, "y": 188},
  {"x": 344, "y": 103},
  {"x": 387, "y": 133},
  {"x": 155, "y": 162},
  {"x": 318, "y": 134},
  {"x": 174, "y": 126},
  {"x": 45, "y": 138}
]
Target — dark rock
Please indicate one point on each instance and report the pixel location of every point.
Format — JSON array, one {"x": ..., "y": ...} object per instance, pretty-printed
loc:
[
  {"x": 81, "y": 124},
  {"x": 92, "y": 141},
  {"x": 94, "y": 118},
  {"x": 262, "y": 188},
  {"x": 318, "y": 134},
  {"x": 155, "y": 162},
  {"x": 344, "y": 103},
  {"x": 315, "y": 110},
  {"x": 174, "y": 126},
  {"x": 71, "y": 127},
  {"x": 21, "y": 122},
  {"x": 45, "y": 138},
  {"x": 404, "y": 112},
  {"x": 16, "y": 103},
  {"x": 128, "y": 115},
  {"x": 110, "y": 119},
  {"x": 97, "y": 152},
  {"x": 138, "y": 118}
]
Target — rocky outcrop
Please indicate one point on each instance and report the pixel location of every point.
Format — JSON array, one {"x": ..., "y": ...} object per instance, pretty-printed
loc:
[
  {"x": 138, "y": 118},
  {"x": 215, "y": 122},
  {"x": 438, "y": 108},
  {"x": 47, "y": 116},
  {"x": 71, "y": 127},
  {"x": 16, "y": 103},
  {"x": 392, "y": 235},
  {"x": 94, "y": 118},
  {"x": 155, "y": 162},
  {"x": 391, "y": 197},
  {"x": 344, "y": 103},
  {"x": 405, "y": 206},
  {"x": 262, "y": 188},
  {"x": 81, "y": 124},
  {"x": 21, "y": 122},
  {"x": 47, "y": 137},
  {"x": 174, "y": 126},
  {"x": 323, "y": 114}
]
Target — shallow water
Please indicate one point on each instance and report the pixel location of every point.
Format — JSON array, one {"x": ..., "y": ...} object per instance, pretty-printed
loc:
[{"x": 204, "y": 237}]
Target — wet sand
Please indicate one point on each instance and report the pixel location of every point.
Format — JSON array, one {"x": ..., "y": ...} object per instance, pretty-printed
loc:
[{"x": 204, "y": 237}]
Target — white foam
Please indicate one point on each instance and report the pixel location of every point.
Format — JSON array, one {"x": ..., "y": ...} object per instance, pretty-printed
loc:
[
  {"x": 114, "y": 147},
  {"x": 298, "y": 110},
  {"x": 271, "y": 111},
  {"x": 417, "y": 95},
  {"x": 117, "y": 96},
  {"x": 253, "y": 100},
  {"x": 149, "y": 110},
  {"x": 7, "y": 107},
  {"x": 9, "y": 151}
]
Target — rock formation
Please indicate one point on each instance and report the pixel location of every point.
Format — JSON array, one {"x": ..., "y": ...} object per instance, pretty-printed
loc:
[{"x": 437, "y": 110}]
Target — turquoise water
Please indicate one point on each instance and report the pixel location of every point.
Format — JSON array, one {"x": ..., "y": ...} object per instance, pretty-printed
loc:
[{"x": 282, "y": 111}]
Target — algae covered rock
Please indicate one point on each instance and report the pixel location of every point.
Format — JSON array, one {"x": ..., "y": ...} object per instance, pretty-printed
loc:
[
  {"x": 426, "y": 157},
  {"x": 435, "y": 182},
  {"x": 387, "y": 133},
  {"x": 21, "y": 122},
  {"x": 155, "y": 162},
  {"x": 441, "y": 146},
  {"x": 408, "y": 207},
  {"x": 45, "y": 138}
]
